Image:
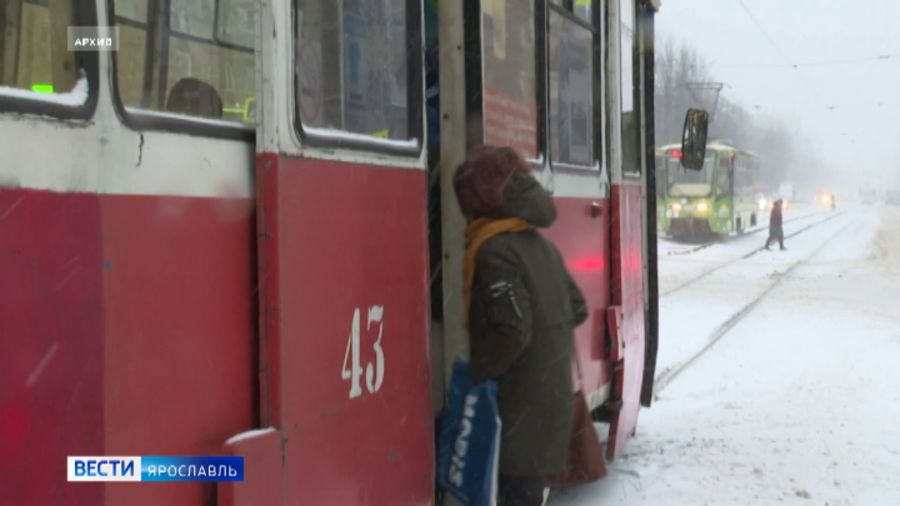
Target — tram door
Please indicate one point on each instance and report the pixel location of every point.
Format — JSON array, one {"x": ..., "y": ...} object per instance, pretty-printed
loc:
[
  {"x": 628, "y": 329},
  {"x": 342, "y": 255}
]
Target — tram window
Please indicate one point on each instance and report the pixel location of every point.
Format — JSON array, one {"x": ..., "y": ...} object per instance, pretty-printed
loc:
[
  {"x": 690, "y": 183},
  {"x": 510, "y": 75},
  {"x": 583, "y": 9},
  {"x": 132, "y": 21},
  {"x": 571, "y": 91},
  {"x": 723, "y": 177},
  {"x": 205, "y": 67},
  {"x": 352, "y": 67},
  {"x": 134, "y": 10},
  {"x": 630, "y": 159},
  {"x": 193, "y": 17},
  {"x": 739, "y": 176},
  {"x": 236, "y": 25},
  {"x": 34, "y": 52},
  {"x": 744, "y": 175}
]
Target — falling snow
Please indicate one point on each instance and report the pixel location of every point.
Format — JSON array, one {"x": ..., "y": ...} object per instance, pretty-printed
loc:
[{"x": 797, "y": 402}]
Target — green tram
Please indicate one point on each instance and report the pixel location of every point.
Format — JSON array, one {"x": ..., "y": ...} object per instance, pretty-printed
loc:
[{"x": 718, "y": 199}]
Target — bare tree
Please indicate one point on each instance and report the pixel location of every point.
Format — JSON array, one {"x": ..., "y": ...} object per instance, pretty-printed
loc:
[
  {"x": 675, "y": 68},
  {"x": 680, "y": 66}
]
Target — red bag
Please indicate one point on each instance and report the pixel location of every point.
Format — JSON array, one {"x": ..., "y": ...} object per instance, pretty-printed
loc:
[{"x": 585, "y": 462}]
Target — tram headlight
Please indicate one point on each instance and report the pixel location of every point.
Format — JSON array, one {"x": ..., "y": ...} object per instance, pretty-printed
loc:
[{"x": 702, "y": 207}]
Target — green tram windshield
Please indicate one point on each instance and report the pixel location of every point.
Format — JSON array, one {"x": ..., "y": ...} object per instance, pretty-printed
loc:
[{"x": 690, "y": 183}]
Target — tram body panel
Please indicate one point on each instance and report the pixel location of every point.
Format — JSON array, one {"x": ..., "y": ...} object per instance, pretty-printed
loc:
[
  {"x": 129, "y": 315},
  {"x": 583, "y": 242},
  {"x": 179, "y": 324},
  {"x": 343, "y": 263},
  {"x": 628, "y": 296},
  {"x": 51, "y": 346},
  {"x": 121, "y": 339},
  {"x": 352, "y": 280}
]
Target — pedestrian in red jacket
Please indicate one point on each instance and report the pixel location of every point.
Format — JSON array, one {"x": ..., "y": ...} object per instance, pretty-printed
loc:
[{"x": 775, "y": 229}]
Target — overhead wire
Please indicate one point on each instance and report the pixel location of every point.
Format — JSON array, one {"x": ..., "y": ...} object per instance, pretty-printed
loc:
[
  {"x": 798, "y": 66},
  {"x": 815, "y": 94},
  {"x": 762, "y": 30},
  {"x": 818, "y": 63}
]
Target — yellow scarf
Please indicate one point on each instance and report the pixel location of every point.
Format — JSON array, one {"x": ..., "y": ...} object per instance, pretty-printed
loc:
[{"x": 477, "y": 233}]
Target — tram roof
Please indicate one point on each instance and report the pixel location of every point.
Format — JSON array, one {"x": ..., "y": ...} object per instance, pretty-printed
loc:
[{"x": 716, "y": 145}]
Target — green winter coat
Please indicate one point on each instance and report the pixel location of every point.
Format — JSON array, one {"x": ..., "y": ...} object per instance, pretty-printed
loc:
[{"x": 524, "y": 308}]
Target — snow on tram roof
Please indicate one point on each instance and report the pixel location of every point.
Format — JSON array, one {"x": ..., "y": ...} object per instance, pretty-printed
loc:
[{"x": 717, "y": 145}]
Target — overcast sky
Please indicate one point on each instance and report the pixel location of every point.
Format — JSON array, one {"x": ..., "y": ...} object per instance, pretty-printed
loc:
[{"x": 842, "y": 99}]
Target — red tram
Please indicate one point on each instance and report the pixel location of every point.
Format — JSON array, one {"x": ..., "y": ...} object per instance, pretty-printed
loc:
[{"x": 237, "y": 233}]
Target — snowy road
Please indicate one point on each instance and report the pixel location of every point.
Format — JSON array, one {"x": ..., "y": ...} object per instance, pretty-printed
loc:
[
  {"x": 680, "y": 264},
  {"x": 732, "y": 277},
  {"x": 667, "y": 247},
  {"x": 797, "y": 402}
]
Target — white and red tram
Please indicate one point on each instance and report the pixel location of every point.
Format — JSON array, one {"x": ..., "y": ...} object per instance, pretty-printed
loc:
[{"x": 216, "y": 238}]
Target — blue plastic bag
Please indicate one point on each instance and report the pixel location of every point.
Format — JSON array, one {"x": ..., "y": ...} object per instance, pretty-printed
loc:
[{"x": 469, "y": 441}]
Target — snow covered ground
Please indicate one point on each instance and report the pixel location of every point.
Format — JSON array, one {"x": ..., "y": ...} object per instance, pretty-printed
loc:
[
  {"x": 797, "y": 402},
  {"x": 680, "y": 262}
]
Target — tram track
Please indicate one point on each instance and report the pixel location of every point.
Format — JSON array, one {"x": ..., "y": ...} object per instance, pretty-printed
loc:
[
  {"x": 728, "y": 239},
  {"x": 721, "y": 266},
  {"x": 666, "y": 377}
]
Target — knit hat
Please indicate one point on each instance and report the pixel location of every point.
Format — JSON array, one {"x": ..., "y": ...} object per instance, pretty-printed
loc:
[{"x": 480, "y": 180}]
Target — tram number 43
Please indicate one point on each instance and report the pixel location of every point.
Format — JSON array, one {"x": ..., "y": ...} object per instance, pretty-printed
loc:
[{"x": 374, "y": 371}]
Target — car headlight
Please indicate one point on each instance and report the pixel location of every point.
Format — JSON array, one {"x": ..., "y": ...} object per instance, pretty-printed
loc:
[{"x": 702, "y": 207}]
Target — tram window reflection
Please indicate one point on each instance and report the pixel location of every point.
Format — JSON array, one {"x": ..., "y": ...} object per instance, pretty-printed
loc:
[
  {"x": 690, "y": 183},
  {"x": 571, "y": 91},
  {"x": 510, "y": 75},
  {"x": 352, "y": 66},
  {"x": 193, "y": 17},
  {"x": 723, "y": 177},
  {"x": 208, "y": 41},
  {"x": 583, "y": 10},
  {"x": 630, "y": 154},
  {"x": 34, "y": 51}
]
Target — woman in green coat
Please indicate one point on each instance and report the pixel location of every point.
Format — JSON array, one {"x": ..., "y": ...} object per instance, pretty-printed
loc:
[{"x": 522, "y": 306}]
